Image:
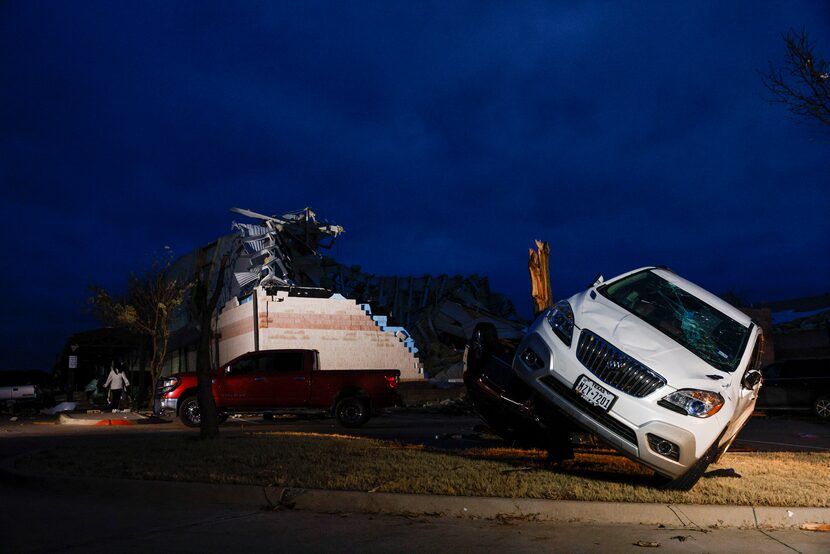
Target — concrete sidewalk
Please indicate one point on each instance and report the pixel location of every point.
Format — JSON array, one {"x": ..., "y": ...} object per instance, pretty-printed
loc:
[
  {"x": 685, "y": 516},
  {"x": 103, "y": 418}
]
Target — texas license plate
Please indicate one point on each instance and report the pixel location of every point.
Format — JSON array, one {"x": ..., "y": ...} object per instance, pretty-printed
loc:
[{"x": 593, "y": 393}]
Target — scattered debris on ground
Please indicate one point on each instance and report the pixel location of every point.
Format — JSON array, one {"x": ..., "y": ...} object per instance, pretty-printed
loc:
[
  {"x": 58, "y": 408},
  {"x": 450, "y": 406},
  {"x": 824, "y": 527}
]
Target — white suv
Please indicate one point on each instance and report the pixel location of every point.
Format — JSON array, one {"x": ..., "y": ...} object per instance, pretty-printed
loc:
[{"x": 664, "y": 371}]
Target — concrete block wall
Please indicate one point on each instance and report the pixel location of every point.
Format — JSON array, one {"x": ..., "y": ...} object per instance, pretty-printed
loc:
[
  {"x": 236, "y": 330},
  {"x": 344, "y": 332}
]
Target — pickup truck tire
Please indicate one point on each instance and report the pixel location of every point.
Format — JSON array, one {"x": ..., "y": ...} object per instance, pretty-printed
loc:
[
  {"x": 191, "y": 415},
  {"x": 351, "y": 412},
  {"x": 189, "y": 411}
]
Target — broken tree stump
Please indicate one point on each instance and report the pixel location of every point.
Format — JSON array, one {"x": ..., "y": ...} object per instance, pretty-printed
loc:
[{"x": 539, "y": 266}]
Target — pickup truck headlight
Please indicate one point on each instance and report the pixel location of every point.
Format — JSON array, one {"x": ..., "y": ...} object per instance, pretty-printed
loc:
[
  {"x": 561, "y": 320},
  {"x": 167, "y": 385},
  {"x": 693, "y": 402}
]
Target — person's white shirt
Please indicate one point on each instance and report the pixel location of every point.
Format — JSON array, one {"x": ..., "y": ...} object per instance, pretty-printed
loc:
[{"x": 117, "y": 380}]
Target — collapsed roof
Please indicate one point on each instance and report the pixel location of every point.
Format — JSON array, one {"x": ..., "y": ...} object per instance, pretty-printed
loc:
[{"x": 284, "y": 252}]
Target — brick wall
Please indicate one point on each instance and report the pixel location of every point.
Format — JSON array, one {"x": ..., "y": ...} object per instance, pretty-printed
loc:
[{"x": 345, "y": 335}]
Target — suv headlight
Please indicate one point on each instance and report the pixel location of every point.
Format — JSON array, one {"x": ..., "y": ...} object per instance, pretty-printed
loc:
[
  {"x": 561, "y": 320},
  {"x": 167, "y": 385},
  {"x": 693, "y": 402}
]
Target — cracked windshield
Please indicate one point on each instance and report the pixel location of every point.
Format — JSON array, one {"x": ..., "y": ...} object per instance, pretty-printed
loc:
[{"x": 709, "y": 334}]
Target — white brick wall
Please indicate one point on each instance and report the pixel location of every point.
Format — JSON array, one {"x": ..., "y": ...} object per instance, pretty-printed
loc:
[{"x": 344, "y": 335}]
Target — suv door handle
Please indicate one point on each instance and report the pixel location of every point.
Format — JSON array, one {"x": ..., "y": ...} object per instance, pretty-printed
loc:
[
  {"x": 259, "y": 378},
  {"x": 299, "y": 378}
]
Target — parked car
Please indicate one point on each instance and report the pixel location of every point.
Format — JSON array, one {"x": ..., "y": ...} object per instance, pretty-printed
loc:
[
  {"x": 799, "y": 385},
  {"x": 20, "y": 396},
  {"x": 655, "y": 366},
  {"x": 275, "y": 380}
]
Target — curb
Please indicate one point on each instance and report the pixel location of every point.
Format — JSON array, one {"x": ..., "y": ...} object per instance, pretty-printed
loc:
[
  {"x": 103, "y": 420},
  {"x": 674, "y": 515},
  {"x": 690, "y": 516},
  {"x": 108, "y": 422}
]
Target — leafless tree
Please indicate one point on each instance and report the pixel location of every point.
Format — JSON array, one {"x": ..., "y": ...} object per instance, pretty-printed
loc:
[
  {"x": 147, "y": 309},
  {"x": 802, "y": 83}
]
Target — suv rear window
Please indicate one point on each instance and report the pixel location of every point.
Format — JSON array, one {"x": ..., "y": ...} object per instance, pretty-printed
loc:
[{"x": 711, "y": 335}]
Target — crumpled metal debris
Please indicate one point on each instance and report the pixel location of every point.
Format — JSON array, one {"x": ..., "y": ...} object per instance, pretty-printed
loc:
[
  {"x": 439, "y": 311},
  {"x": 62, "y": 407},
  {"x": 285, "y": 251}
]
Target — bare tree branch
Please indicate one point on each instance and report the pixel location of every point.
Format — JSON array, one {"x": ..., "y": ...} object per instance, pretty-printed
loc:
[
  {"x": 803, "y": 83},
  {"x": 146, "y": 309}
]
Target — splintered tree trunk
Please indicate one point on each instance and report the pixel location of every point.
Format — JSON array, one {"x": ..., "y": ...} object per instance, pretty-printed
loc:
[{"x": 539, "y": 267}]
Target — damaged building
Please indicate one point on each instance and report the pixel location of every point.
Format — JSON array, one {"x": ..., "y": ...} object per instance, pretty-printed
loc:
[{"x": 280, "y": 291}]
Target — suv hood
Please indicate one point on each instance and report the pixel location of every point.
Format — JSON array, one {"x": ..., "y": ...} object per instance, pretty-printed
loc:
[{"x": 680, "y": 367}]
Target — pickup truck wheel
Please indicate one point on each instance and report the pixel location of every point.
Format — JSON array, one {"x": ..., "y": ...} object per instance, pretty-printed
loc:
[
  {"x": 822, "y": 407},
  {"x": 351, "y": 412},
  {"x": 189, "y": 411}
]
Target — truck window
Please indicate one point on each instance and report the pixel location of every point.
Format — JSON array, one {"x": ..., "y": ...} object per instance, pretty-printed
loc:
[
  {"x": 281, "y": 361},
  {"x": 242, "y": 366}
]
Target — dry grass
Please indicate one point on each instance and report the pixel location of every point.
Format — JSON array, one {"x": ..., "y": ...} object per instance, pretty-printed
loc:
[{"x": 347, "y": 463}]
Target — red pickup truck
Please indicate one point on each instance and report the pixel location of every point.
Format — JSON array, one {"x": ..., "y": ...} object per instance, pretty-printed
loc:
[{"x": 274, "y": 380}]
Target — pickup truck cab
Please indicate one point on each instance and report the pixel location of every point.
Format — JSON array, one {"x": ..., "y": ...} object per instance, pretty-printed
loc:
[{"x": 276, "y": 380}]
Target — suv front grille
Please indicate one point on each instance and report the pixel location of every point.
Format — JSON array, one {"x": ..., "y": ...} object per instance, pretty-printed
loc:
[
  {"x": 615, "y": 367},
  {"x": 616, "y": 426}
]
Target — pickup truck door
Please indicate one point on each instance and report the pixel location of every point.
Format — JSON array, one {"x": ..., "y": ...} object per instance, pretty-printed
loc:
[
  {"x": 239, "y": 383},
  {"x": 287, "y": 379}
]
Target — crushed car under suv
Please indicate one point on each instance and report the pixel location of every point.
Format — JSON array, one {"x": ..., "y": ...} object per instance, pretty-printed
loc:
[
  {"x": 655, "y": 366},
  {"x": 661, "y": 369}
]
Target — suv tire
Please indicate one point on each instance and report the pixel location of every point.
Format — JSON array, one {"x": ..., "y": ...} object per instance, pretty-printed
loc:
[{"x": 689, "y": 479}]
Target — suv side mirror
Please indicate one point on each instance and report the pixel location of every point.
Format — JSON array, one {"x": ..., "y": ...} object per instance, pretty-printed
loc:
[
  {"x": 751, "y": 379},
  {"x": 598, "y": 280}
]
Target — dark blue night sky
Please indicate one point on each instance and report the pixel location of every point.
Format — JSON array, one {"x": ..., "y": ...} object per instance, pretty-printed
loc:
[{"x": 444, "y": 137}]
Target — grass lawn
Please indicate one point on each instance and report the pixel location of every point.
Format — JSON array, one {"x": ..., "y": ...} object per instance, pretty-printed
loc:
[{"x": 347, "y": 463}]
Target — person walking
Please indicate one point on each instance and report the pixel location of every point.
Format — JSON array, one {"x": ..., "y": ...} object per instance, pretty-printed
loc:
[{"x": 117, "y": 382}]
